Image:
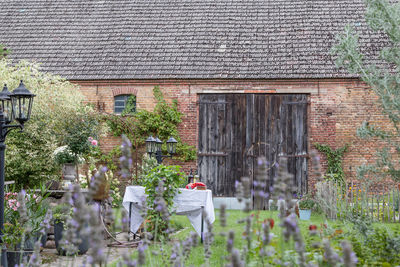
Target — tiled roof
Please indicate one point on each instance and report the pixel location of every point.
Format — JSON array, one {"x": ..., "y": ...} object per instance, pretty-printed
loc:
[{"x": 181, "y": 39}]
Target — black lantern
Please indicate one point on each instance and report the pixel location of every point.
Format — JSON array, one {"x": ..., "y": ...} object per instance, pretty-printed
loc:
[
  {"x": 22, "y": 100},
  {"x": 6, "y": 105},
  {"x": 13, "y": 105},
  {"x": 171, "y": 145},
  {"x": 158, "y": 145},
  {"x": 150, "y": 145},
  {"x": 153, "y": 148}
]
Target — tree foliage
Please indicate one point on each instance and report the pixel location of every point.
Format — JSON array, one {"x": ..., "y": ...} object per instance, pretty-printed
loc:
[
  {"x": 56, "y": 106},
  {"x": 383, "y": 17}
]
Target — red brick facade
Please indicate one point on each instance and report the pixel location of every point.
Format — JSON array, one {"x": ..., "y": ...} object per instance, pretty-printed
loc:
[{"x": 337, "y": 108}]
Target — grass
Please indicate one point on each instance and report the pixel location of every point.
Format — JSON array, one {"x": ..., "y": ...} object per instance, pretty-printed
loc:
[{"x": 196, "y": 257}]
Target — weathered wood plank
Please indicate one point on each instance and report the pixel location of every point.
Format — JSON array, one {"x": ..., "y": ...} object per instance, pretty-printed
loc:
[
  {"x": 221, "y": 144},
  {"x": 229, "y": 178},
  {"x": 249, "y": 135},
  {"x": 212, "y": 144},
  {"x": 203, "y": 133}
]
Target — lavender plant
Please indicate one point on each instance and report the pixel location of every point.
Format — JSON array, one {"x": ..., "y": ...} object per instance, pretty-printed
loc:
[{"x": 257, "y": 249}]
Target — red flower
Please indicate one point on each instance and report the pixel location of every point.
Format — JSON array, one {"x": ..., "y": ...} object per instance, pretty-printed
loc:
[
  {"x": 312, "y": 227},
  {"x": 271, "y": 222}
]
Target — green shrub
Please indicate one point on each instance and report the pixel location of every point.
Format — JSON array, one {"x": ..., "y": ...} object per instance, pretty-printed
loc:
[
  {"x": 172, "y": 179},
  {"x": 29, "y": 154}
]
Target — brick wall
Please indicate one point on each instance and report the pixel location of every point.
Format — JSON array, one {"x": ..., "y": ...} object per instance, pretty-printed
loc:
[{"x": 337, "y": 108}]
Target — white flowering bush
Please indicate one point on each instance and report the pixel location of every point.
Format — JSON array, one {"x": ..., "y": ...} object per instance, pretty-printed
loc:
[{"x": 29, "y": 154}]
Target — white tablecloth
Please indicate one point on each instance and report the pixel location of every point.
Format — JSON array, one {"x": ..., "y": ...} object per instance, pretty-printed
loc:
[{"x": 188, "y": 202}]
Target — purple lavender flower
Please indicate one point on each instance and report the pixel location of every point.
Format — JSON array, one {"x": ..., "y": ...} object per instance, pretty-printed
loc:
[
  {"x": 35, "y": 260},
  {"x": 235, "y": 260},
  {"x": 127, "y": 261},
  {"x": 330, "y": 255},
  {"x": 142, "y": 254},
  {"x": 229, "y": 242},
  {"x": 236, "y": 183},
  {"x": 95, "y": 236},
  {"x": 208, "y": 238},
  {"x": 222, "y": 215},
  {"x": 349, "y": 257},
  {"x": 126, "y": 158},
  {"x": 45, "y": 224}
]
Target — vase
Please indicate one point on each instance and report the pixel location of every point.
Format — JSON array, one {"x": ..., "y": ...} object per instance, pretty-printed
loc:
[
  {"x": 69, "y": 172},
  {"x": 58, "y": 233},
  {"x": 305, "y": 215},
  {"x": 17, "y": 257}
]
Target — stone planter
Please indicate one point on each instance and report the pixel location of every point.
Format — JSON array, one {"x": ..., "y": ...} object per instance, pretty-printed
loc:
[
  {"x": 69, "y": 172},
  {"x": 305, "y": 215}
]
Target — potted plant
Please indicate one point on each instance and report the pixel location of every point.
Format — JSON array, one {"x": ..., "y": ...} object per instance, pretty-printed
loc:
[
  {"x": 61, "y": 214},
  {"x": 306, "y": 204},
  {"x": 21, "y": 232},
  {"x": 14, "y": 235}
]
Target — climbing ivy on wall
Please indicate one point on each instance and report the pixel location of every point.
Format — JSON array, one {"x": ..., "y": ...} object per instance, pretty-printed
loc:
[
  {"x": 335, "y": 158},
  {"x": 163, "y": 122},
  {"x": 130, "y": 106}
]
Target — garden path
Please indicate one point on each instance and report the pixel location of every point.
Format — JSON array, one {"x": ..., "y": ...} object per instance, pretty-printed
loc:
[{"x": 50, "y": 257}]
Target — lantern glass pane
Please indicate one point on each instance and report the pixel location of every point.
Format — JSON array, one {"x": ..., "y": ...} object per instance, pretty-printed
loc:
[
  {"x": 170, "y": 148},
  {"x": 3, "y": 108},
  {"x": 22, "y": 107},
  {"x": 148, "y": 146},
  {"x": 171, "y": 145},
  {"x": 158, "y": 147},
  {"x": 158, "y": 143},
  {"x": 150, "y": 142},
  {"x": 7, "y": 110},
  {"x": 173, "y": 148},
  {"x": 155, "y": 147}
]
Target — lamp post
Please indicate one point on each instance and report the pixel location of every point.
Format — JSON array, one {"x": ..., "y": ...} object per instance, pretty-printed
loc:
[
  {"x": 16, "y": 105},
  {"x": 153, "y": 147}
]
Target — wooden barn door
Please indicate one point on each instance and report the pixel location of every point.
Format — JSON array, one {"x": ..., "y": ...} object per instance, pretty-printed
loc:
[{"x": 236, "y": 129}]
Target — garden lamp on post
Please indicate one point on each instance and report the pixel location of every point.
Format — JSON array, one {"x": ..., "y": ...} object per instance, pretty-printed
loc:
[
  {"x": 13, "y": 105},
  {"x": 153, "y": 147}
]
